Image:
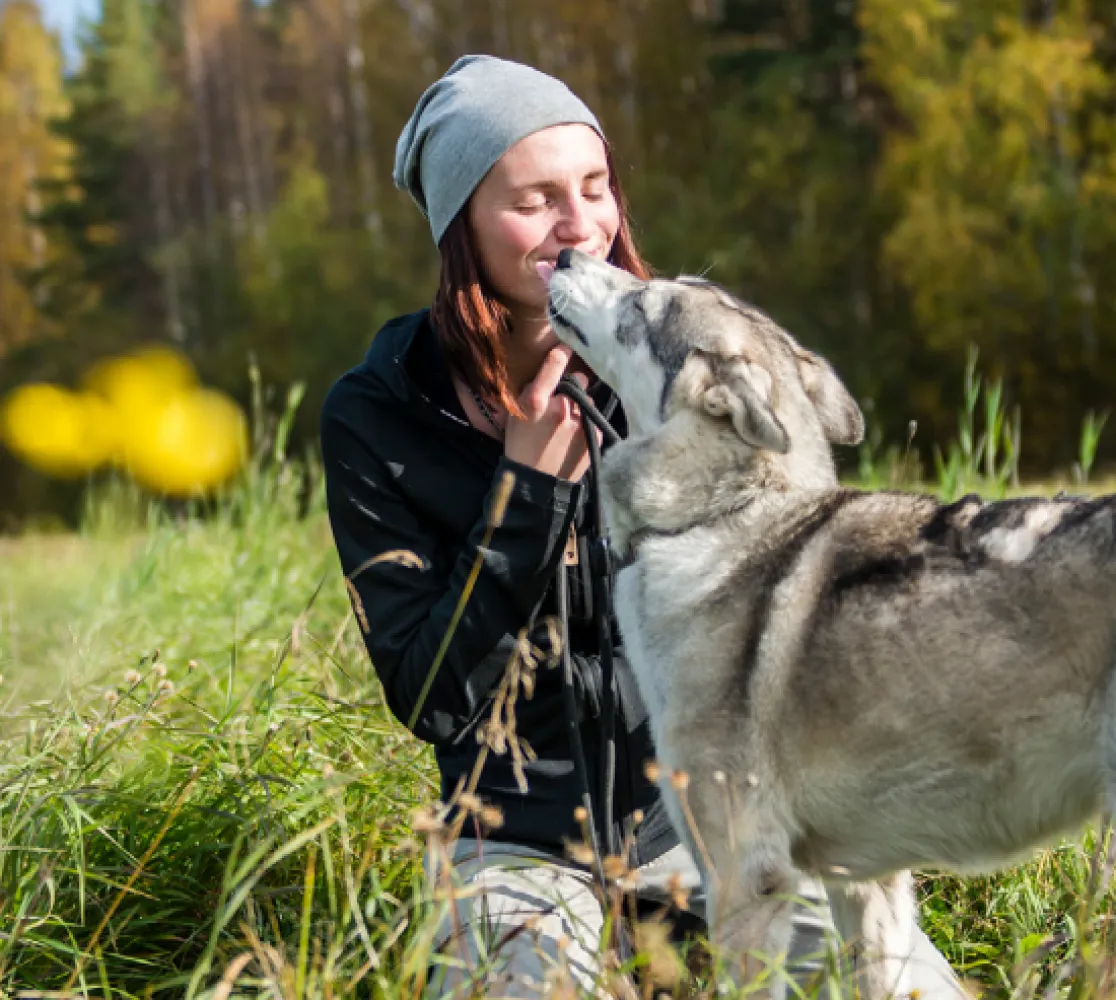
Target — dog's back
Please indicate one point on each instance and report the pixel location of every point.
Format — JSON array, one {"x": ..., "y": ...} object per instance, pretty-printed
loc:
[{"x": 949, "y": 698}]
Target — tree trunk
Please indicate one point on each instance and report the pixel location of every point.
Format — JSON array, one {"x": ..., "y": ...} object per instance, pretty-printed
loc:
[
  {"x": 195, "y": 63},
  {"x": 196, "y": 71},
  {"x": 244, "y": 131},
  {"x": 339, "y": 139},
  {"x": 362, "y": 126},
  {"x": 164, "y": 228}
]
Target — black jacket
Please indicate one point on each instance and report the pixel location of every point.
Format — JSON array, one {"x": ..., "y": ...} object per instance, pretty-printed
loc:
[{"x": 405, "y": 470}]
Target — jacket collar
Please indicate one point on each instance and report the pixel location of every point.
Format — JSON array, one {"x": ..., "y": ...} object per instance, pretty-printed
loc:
[{"x": 386, "y": 357}]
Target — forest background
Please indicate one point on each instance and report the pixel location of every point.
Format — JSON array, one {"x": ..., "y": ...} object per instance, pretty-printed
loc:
[{"x": 895, "y": 181}]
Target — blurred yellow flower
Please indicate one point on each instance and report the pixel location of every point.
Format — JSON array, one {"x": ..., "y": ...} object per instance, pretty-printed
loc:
[
  {"x": 55, "y": 430},
  {"x": 145, "y": 412},
  {"x": 189, "y": 443},
  {"x": 135, "y": 386}
]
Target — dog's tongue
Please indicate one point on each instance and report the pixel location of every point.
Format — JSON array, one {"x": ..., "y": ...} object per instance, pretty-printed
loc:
[{"x": 546, "y": 271}]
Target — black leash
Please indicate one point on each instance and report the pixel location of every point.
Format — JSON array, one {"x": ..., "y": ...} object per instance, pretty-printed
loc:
[{"x": 600, "y": 569}]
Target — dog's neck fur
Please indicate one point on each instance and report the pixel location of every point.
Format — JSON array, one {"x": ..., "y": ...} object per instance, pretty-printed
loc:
[{"x": 693, "y": 470}]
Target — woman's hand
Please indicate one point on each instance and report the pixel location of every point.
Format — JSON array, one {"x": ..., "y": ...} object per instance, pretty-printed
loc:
[{"x": 549, "y": 437}]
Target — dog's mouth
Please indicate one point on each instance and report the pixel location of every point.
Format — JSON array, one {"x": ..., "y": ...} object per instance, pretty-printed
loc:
[{"x": 557, "y": 320}]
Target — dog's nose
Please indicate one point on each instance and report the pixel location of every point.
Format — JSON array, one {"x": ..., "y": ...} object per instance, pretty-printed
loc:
[{"x": 565, "y": 259}]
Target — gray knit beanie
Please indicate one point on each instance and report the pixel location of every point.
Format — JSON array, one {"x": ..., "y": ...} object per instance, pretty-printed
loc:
[{"x": 467, "y": 120}]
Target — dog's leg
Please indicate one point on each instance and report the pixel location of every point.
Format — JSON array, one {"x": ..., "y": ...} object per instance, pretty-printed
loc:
[
  {"x": 1102, "y": 874},
  {"x": 751, "y": 925},
  {"x": 748, "y": 880},
  {"x": 877, "y": 920}
]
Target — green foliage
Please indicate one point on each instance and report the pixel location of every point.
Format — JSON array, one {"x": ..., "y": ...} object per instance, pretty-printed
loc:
[
  {"x": 202, "y": 793},
  {"x": 1091, "y": 428},
  {"x": 218, "y": 727},
  {"x": 985, "y": 460},
  {"x": 31, "y": 157},
  {"x": 895, "y": 182}
]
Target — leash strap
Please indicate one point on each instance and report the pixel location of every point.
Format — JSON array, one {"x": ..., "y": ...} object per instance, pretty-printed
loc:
[
  {"x": 600, "y": 565},
  {"x": 568, "y": 387}
]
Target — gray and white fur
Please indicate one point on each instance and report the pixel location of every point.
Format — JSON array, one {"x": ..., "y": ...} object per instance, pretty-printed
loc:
[{"x": 856, "y": 683}]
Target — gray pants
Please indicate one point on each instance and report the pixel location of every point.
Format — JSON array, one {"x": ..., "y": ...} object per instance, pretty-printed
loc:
[{"x": 525, "y": 922}]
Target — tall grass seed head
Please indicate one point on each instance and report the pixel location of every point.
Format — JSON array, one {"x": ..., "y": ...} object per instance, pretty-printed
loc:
[{"x": 425, "y": 820}]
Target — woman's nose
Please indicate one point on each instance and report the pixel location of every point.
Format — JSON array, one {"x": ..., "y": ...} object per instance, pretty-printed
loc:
[{"x": 576, "y": 224}]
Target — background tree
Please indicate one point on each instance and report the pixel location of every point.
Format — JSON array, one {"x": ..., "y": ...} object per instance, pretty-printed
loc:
[
  {"x": 31, "y": 156},
  {"x": 893, "y": 180}
]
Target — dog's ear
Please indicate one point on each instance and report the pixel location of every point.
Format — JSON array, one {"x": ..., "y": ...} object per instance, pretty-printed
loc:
[
  {"x": 741, "y": 394},
  {"x": 841, "y": 418}
]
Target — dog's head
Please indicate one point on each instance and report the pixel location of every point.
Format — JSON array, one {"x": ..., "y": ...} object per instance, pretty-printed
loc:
[{"x": 665, "y": 346}]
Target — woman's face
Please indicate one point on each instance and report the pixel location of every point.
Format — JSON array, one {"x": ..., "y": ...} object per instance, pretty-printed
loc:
[{"x": 548, "y": 192}]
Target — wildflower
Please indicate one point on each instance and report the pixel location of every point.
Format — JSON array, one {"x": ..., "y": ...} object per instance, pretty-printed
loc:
[
  {"x": 492, "y": 817},
  {"x": 581, "y": 854},
  {"x": 111, "y": 697},
  {"x": 159, "y": 670},
  {"x": 192, "y": 666},
  {"x": 166, "y": 687},
  {"x": 132, "y": 678},
  {"x": 614, "y": 867},
  {"x": 679, "y": 894},
  {"x": 651, "y": 770},
  {"x": 470, "y": 803},
  {"x": 679, "y": 781},
  {"x": 425, "y": 820}
]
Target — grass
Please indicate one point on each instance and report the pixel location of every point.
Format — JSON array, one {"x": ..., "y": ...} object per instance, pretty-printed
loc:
[
  {"x": 213, "y": 727},
  {"x": 203, "y": 795}
]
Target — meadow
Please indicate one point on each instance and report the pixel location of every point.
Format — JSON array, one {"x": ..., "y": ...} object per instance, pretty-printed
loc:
[{"x": 203, "y": 795}]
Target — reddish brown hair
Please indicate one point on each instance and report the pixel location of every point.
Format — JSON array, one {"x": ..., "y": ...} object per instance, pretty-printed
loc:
[{"x": 471, "y": 321}]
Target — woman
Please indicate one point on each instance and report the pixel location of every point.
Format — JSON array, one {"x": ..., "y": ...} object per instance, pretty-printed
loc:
[{"x": 509, "y": 167}]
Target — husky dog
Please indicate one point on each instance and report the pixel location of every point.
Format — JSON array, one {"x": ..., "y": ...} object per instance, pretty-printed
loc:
[{"x": 855, "y": 683}]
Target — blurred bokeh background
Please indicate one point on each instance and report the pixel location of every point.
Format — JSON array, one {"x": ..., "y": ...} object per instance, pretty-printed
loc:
[{"x": 205, "y": 184}]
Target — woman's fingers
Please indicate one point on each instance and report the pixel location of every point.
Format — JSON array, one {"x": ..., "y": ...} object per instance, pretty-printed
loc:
[
  {"x": 549, "y": 436},
  {"x": 540, "y": 390}
]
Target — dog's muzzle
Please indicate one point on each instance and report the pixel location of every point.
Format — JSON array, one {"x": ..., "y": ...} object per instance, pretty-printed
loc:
[{"x": 565, "y": 262}]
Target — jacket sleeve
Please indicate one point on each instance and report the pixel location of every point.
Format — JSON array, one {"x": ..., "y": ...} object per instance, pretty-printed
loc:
[{"x": 404, "y": 607}]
